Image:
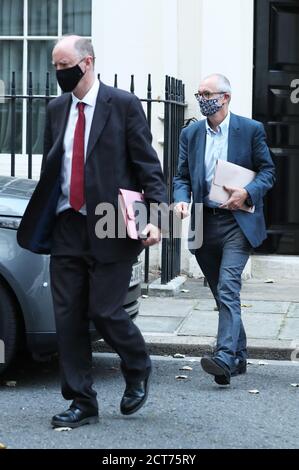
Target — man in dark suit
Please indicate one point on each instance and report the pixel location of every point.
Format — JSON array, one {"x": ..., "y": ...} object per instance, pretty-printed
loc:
[
  {"x": 228, "y": 232},
  {"x": 96, "y": 141}
]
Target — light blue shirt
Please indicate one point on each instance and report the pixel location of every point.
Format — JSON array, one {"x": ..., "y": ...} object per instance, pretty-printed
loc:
[{"x": 216, "y": 149}]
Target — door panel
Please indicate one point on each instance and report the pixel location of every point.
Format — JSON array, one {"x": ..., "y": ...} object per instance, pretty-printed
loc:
[{"x": 276, "y": 66}]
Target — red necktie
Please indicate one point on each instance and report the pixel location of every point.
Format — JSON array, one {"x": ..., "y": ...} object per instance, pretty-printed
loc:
[{"x": 77, "y": 176}]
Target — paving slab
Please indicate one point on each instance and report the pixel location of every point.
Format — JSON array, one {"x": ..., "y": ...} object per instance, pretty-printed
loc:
[
  {"x": 259, "y": 325},
  {"x": 294, "y": 310},
  {"x": 254, "y": 306},
  {"x": 200, "y": 324},
  {"x": 154, "y": 324},
  {"x": 205, "y": 305},
  {"x": 252, "y": 289},
  {"x": 205, "y": 324},
  {"x": 261, "y": 306},
  {"x": 290, "y": 330},
  {"x": 165, "y": 307}
]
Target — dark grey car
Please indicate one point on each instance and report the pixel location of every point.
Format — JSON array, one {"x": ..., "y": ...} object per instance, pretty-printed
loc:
[{"x": 26, "y": 310}]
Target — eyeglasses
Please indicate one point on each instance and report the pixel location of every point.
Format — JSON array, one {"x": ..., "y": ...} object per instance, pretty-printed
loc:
[{"x": 208, "y": 94}]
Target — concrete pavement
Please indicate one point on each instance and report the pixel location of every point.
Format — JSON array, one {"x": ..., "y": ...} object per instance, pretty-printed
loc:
[{"x": 187, "y": 323}]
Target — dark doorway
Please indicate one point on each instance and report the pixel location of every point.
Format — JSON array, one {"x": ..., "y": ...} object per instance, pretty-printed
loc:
[{"x": 275, "y": 93}]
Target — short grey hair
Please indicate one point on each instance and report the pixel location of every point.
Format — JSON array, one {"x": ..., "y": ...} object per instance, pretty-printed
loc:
[
  {"x": 223, "y": 83},
  {"x": 84, "y": 47}
]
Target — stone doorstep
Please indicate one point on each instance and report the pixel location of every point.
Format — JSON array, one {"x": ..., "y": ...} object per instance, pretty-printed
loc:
[{"x": 275, "y": 266}]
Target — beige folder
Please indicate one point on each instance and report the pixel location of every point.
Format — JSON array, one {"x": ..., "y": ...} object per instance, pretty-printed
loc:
[{"x": 231, "y": 175}]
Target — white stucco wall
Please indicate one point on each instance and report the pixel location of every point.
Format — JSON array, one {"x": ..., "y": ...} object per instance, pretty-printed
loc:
[
  {"x": 231, "y": 50},
  {"x": 188, "y": 39},
  {"x": 185, "y": 38}
]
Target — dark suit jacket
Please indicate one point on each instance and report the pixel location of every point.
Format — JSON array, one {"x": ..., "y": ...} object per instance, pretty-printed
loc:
[
  {"x": 247, "y": 147},
  {"x": 119, "y": 155}
]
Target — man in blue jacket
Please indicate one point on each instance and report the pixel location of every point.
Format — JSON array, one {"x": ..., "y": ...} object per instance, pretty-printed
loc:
[{"x": 228, "y": 232}]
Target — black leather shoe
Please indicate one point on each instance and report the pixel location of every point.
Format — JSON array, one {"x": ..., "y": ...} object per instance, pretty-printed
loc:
[
  {"x": 217, "y": 368},
  {"x": 241, "y": 368},
  {"x": 134, "y": 396},
  {"x": 74, "y": 417}
]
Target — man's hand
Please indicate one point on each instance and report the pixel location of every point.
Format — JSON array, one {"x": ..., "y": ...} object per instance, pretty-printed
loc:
[
  {"x": 153, "y": 235},
  {"x": 237, "y": 198},
  {"x": 181, "y": 210}
]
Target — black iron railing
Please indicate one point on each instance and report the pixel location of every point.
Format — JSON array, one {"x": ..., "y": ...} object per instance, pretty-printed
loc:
[{"x": 174, "y": 107}]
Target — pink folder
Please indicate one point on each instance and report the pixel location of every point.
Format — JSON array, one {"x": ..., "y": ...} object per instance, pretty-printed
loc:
[
  {"x": 231, "y": 175},
  {"x": 127, "y": 199}
]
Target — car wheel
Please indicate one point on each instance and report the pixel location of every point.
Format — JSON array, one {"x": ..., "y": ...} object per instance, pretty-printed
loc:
[{"x": 9, "y": 328}]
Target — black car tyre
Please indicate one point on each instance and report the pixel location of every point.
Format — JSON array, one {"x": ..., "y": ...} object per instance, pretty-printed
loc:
[{"x": 9, "y": 327}]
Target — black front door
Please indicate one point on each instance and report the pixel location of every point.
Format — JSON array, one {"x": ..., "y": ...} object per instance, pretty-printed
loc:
[{"x": 276, "y": 104}]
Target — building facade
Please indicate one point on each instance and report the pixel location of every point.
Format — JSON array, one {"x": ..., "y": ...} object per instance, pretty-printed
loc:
[{"x": 252, "y": 42}]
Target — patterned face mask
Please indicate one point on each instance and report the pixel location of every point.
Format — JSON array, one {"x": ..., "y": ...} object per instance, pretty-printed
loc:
[{"x": 209, "y": 107}]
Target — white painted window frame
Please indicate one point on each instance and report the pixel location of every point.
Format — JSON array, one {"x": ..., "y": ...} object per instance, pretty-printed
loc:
[{"x": 25, "y": 38}]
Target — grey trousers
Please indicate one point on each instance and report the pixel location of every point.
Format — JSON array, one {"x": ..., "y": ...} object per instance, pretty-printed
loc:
[{"x": 222, "y": 258}]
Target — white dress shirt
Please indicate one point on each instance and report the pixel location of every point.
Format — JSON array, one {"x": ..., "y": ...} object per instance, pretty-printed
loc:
[
  {"x": 216, "y": 149},
  {"x": 89, "y": 100}
]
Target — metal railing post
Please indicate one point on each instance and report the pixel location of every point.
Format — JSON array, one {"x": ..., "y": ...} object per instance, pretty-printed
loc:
[
  {"x": 166, "y": 168},
  {"x": 13, "y": 126},
  {"x": 29, "y": 126},
  {"x": 149, "y": 120}
]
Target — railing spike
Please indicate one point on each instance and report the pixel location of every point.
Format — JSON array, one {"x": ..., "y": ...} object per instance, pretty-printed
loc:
[
  {"x": 149, "y": 83},
  {"x": 149, "y": 87},
  {"x": 132, "y": 87},
  {"x": 48, "y": 84},
  {"x": 13, "y": 83},
  {"x": 167, "y": 87},
  {"x": 30, "y": 84},
  {"x": 172, "y": 88}
]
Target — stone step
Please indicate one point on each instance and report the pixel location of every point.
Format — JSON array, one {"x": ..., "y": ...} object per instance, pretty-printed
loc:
[{"x": 275, "y": 267}]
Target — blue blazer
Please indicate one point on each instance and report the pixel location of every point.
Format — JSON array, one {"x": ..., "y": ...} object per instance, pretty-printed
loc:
[{"x": 246, "y": 147}]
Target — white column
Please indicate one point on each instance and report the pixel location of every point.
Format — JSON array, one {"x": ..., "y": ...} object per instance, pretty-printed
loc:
[
  {"x": 227, "y": 47},
  {"x": 137, "y": 37},
  {"x": 190, "y": 50},
  {"x": 216, "y": 36},
  {"x": 129, "y": 39}
]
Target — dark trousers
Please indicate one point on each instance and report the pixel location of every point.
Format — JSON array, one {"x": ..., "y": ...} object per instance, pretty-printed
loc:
[
  {"x": 222, "y": 258},
  {"x": 84, "y": 289}
]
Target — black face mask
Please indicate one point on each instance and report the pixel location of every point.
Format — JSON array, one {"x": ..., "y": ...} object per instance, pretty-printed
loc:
[{"x": 69, "y": 78}]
